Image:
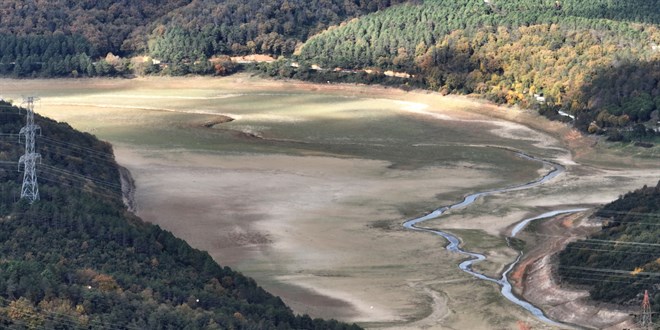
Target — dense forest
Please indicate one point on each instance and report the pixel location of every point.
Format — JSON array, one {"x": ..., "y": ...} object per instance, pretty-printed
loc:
[
  {"x": 52, "y": 56},
  {"x": 178, "y": 32},
  {"x": 77, "y": 259},
  {"x": 623, "y": 259},
  {"x": 111, "y": 26},
  {"x": 597, "y": 61},
  {"x": 245, "y": 27}
]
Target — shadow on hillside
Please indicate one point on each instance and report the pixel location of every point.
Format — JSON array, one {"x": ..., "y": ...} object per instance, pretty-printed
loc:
[
  {"x": 631, "y": 88},
  {"x": 640, "y": 11}
]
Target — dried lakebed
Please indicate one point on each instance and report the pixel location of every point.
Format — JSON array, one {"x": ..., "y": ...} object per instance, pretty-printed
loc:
[{"x": 306, "y": 189}]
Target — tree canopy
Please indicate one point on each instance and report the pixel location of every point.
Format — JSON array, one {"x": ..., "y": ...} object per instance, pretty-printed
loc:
[{"x": 596, "y": 60}]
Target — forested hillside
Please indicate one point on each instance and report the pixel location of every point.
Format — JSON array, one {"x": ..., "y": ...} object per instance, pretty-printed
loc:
[
  {"x": 597, "y": 60},
  {"x": 36, "y": 35},
  {"x": 76, "y": 259},
  {"x": 622, "y": 260},
  {"x": 246, "y": 27},
  {"x": 105, "y": 24},
  {"x": 69, "y": 38}
]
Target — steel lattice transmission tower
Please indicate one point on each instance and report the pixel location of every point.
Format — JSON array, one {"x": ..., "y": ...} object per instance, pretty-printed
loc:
[
  {"x": 30, "y": 188},
  {"x": 646, "y": 321}
]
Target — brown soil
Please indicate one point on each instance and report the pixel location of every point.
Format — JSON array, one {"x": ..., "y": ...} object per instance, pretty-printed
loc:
[
  {"x": 258, "y": 58},
  {"x": 535, "y": 277}
]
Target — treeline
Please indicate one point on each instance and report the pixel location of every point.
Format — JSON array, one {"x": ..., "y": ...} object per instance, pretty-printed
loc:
[
  {"x": 621, "y": 261},
  {"x": 241, "y": 27},
  {"x": 46, "y": 56},
  {"x": 76, "y": 259},
  {"x": 117, "y": 26},
  {"x": 236, "y": 27},
  {"x": 393, "y": 38},
  {"x": 182, "y": 34},
  {"x": 285, "y": 68},
  {"x": 57, "y": 55},
  {"x": 514, "y": 52}
]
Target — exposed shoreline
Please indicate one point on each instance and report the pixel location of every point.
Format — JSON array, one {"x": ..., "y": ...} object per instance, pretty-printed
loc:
[{"x": 127, "y": 188}]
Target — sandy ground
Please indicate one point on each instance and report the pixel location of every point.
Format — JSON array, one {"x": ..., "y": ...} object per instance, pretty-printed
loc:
[
  {"x": 300, "y": 222},
  {"x": 324, "y": 232}
]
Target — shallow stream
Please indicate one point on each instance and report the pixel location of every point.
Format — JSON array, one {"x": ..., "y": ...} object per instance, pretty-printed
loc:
[{"x": 454, "y": 241}]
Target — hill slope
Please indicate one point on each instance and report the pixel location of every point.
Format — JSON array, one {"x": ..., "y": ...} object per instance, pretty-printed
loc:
[
  {"x": 77, "y": 259},
  {"x": 35, "y": 36},
  {"x": 241, "y": 27},
  {"x": 573, "y": 53},
  {"x": 105, "y": 24},
  {"x": 126, "y": 27},
  {"x": 623, "y": 260}
]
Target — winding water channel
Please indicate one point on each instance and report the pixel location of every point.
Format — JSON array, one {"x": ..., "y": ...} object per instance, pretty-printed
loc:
[{"x": 454, "y": 241}]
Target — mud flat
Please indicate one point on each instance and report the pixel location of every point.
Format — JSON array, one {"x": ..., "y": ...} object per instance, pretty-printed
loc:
[{"x": 307, "y": 187}]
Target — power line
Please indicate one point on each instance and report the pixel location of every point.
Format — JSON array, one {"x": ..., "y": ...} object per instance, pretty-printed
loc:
[
  {"x": 646, "y": 214},
  {"x": 630, "y": 275},
  {"x": 109, "y": 194},
  {"x": 77, "y": 146},
  {"x": 593, "y": 279},
  {"x": 83, "y": 151},
  {"x": 610, "y": 270},
  {"x": 84, "y": 177},
  {"x": 68, "y": 319},
  {"x": 611, "y": 250},
  {"x": 604, "y": 241},
  {"x": 601, "y": 242},
  {"x": 586, "y": 238},
  {"x": 66, "y": 152}
]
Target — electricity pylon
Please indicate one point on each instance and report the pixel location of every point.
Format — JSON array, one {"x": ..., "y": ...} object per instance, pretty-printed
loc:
[
  {"x": 30, "y": 188},
  {"x": 646, "y": 321}
]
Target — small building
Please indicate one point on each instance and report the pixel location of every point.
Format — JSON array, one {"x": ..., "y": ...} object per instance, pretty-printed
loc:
[{"x": 539, "y": 98}]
